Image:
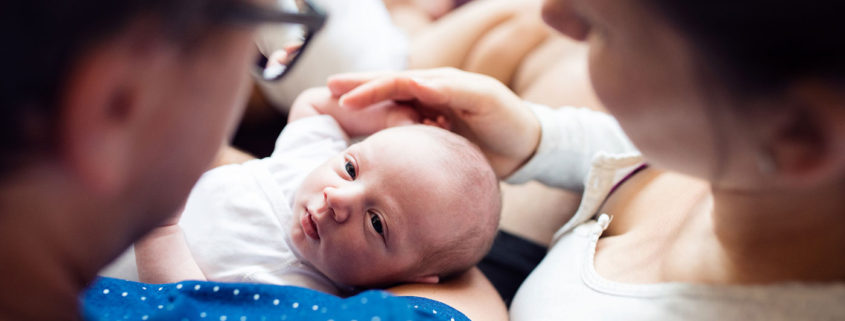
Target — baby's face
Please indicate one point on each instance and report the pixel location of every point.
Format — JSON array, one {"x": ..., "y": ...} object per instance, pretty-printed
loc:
[{"x": 367, "y": 216}]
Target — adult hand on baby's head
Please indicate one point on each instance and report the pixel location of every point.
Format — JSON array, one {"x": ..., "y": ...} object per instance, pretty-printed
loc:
[
  {"x": 320, "y": 101},
  {"x": 472, "y": 105}
]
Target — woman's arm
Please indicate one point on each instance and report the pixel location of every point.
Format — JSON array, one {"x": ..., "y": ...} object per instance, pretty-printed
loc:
[
  {"x": 471, "y": 293},
  {"x": 491, "y": 37},
  {"x": 570, "y": 138},
  {"x": 477, "y": 107},
  {"x": 522, "y": 141}
]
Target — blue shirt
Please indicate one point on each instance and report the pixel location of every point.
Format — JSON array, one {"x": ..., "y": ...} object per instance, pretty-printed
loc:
[{"x": 114, "y": 299}]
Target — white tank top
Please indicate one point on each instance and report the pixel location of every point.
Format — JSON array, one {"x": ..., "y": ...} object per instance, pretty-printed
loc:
[{"x": 565, "y": 286}]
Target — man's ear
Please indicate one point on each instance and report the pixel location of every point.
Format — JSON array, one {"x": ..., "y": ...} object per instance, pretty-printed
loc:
[
  {"x": 808, "y": 146},
  {"x": 429, "y": 279},
  {"x": 98, "y": 104}
]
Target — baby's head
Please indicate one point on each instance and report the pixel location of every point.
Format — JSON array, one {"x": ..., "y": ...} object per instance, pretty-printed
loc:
[{"x": 408, "y": 204}]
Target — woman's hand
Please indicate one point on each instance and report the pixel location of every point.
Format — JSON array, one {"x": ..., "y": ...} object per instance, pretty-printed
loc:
[
  {"x": 360, "y": 122},
  {"x": 475, "y": 106}
]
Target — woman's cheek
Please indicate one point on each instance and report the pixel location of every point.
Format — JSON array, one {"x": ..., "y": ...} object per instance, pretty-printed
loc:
[{"x": 602, "y": 77}]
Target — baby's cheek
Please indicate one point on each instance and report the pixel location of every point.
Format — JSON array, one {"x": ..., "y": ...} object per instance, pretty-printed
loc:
[{"x": 352, "y": 266}]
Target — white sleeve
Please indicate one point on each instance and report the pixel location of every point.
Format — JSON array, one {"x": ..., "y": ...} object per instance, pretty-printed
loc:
[
  {"x": 570, "y": 138},
  {"x": 231, "y": 225},
  {"x": 302, "y": 146},
  {"x": 309, "y": 135}
]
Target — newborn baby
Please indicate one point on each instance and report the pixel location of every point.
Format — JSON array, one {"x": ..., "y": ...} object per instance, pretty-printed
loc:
[{"x": 412, "y": 203}]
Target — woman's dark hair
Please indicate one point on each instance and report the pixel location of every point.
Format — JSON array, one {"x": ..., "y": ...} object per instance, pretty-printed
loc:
[
  {"x": 42, "y": 38},
  {"x": 762, "y": 46}
]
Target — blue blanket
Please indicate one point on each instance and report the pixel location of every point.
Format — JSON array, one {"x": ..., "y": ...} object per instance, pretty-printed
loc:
[{"x": 113, "y": 299}]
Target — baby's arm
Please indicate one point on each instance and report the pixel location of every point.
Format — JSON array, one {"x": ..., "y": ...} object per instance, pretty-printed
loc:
[
  {"x": 163, "y": 256},
  {"x": 362, "y": 122}
]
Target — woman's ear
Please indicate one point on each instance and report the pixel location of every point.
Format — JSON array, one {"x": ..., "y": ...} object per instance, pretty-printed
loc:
[
  {"x": 807, "y": 145},
  {"x": 429, "y": 279}
]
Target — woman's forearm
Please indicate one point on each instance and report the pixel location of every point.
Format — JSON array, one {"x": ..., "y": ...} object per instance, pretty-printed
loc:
[{"x": 570, "y": 138}]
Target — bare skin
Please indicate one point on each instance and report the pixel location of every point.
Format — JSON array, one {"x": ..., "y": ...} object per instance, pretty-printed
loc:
[
  {"x": 734, "y": 265},
  {"x": 463, "y": 293},
  {"x": 747, "y": 228},
  {"x": 125, "y": 159},
  {"x": 66, "y": 214},
  {"x": 163, "y": 255},
  {"x": 508, "y": 41}
]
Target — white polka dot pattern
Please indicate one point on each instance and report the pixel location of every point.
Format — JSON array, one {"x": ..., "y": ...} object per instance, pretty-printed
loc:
[{"x": 251, "y": 302}]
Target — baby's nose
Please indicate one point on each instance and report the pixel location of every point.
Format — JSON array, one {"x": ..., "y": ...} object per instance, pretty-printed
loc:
[{"x": 344, "y": 201}]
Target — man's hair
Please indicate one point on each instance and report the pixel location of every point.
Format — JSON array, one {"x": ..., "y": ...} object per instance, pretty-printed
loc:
[
  {"x": 41, "y": 42},
  {"x": 481, "y": 200}
]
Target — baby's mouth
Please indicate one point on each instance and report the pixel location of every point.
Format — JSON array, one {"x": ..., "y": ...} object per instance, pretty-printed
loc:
[{"x": 309, "y": 226}]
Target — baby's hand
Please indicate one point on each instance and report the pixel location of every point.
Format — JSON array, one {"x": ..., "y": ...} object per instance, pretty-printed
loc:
[
  {"x": 400, "y": 115},
  {"x": 319, "y": 101},
  {"x": 438, "y": 121},
  {"x": 311, "y": 102}
]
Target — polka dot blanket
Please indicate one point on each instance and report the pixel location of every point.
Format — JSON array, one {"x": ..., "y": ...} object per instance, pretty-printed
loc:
[{"x": 112, "y": 299}]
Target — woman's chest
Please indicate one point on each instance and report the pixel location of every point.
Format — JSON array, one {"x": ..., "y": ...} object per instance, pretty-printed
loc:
[{"x": 659, "y": 222}]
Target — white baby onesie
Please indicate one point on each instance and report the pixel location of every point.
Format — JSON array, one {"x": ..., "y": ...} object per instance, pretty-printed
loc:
[{"x": 238, "y": 217}]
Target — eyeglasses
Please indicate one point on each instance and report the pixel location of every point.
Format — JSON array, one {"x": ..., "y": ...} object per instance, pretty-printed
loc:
[{"x": 292, "y": 24}]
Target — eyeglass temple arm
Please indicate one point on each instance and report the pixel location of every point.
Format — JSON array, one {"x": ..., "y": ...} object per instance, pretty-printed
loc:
[{"x": 314, "y": 19}]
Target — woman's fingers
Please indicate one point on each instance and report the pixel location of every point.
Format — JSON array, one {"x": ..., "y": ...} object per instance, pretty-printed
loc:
[
  {"x": 475, "y": 106},
  {"x": 378, "y": 90},
  {"x": 428, "y": 93},
  {"x": 342, "y": 83}
]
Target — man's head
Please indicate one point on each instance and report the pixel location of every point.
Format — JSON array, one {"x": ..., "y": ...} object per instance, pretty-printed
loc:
[
  {"x": 130, "y": 99},
  {"x": 408, "y": 204},
  {"x": 109, "y": 112}
]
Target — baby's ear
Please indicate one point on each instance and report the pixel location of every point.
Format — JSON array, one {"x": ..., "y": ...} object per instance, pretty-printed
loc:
[{"x": 430, "y": 279}]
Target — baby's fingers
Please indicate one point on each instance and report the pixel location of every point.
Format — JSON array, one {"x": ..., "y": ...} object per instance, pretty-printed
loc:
[
  {"x": 440, "y": 121},
  {"x": 444, "y": 123},
  {"x": 399, "y": 115}
]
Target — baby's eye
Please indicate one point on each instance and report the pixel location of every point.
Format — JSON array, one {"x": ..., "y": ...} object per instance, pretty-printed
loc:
[
  {"x": 350, "y": 169},
  {"x": 376, "y": 221}
]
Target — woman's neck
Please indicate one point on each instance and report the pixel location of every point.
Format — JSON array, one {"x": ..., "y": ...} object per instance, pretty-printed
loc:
[{"x": 780, "y": 236}]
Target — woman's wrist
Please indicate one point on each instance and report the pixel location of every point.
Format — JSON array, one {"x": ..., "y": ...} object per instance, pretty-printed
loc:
[
  {"x": 520, "y": 142},
  {"x": 533, "y": 134}
]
